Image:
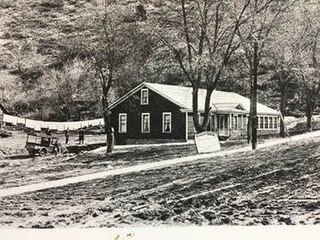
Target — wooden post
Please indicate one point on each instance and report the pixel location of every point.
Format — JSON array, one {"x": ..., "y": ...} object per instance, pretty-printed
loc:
[
  {"x": 230, "y": 124},
  {"x": 187, "y": 127},
  {"x": 254, "y": 95}
]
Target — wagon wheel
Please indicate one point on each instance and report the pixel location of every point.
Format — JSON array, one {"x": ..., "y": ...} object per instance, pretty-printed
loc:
[
  {"x": 42, "y": 152},
  {"x": 64, "y": 151}
]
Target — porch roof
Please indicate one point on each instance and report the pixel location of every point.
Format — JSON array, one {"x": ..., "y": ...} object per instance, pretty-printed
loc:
[{"x": 228, "y": 107}]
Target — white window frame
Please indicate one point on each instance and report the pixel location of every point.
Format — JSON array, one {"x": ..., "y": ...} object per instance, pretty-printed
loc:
[
  {"x": 271, "y": 122},
  {"x": 266, "y": 122},
  {"x": 119, "y": 123},
  {"x": 142, "y": 116},
  {"x": 163, "y": 126},
  {"x": 261, "y": 122},
  {"x": 275, "y": 120},
  {"x": 141, "y": 96},
  {"x": 275, "y": 123}
]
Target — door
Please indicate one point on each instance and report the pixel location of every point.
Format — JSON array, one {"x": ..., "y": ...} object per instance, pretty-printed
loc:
[
  {"x": 223, "y": 125},
  {"x": 221, "y": 122}
]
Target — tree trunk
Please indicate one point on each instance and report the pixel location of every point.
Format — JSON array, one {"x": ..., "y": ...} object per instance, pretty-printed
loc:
[
  {"x": 254, "y": 97},
  {"x": 309, "y": 111},
  {"x": 282, "y": 109},
  {"x": 107, "y": 125},
  {"x": 249, "y": 128},
  {"x": 207, "y": 108},
  {"x": 309, "y": 126},
  {"x": 195, "y": 110}
]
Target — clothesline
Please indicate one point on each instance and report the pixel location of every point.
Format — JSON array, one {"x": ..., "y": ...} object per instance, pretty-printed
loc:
[{"x": 60, "y": 126}]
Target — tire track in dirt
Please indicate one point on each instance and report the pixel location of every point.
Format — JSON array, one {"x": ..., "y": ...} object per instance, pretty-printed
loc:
[
  {"x": 119, "y": 200},
  {"x": 35, "y": 170}
]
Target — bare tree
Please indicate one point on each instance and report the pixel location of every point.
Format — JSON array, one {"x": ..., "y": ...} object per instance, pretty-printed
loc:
[
  {"x": 111, "y": 44},
  {"x": 296, "y": 57},
  {"x": 202, "y": 37},
  {"x": 254, "y": 35},
  {"x": 284, "y": 56},
  {"x": 309, "y": 69}
]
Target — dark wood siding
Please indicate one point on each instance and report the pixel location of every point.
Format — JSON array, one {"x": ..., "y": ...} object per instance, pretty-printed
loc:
[{"x": 156, "y": 106}]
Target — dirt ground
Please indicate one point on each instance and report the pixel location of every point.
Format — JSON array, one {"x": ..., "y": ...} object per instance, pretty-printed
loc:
[
  {"x": 20, "y": 169},
  {"x": 23, "y": 171},
  {"x": 278, "y": 185},
  {"x": 15, "y": 145}
]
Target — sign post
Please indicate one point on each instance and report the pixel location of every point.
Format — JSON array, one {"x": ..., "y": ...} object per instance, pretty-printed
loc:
[{"x": 207, "y": 142}]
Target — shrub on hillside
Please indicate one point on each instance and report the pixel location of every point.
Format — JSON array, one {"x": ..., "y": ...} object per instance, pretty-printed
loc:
[
  {"x": 6, "y": 3},
  {"x": 52, "y": 3}
]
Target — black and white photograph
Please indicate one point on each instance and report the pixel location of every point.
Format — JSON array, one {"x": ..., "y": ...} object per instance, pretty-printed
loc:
[{"x": 159, "y": 114}]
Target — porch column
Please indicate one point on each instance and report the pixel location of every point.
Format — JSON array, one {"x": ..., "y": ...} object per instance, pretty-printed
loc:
[
  {"x": 230, "y": 124},
  {"x": 187, "y": 127},
  {"x": 218, "y": 122},
  {"x": 242, "y": 124}
]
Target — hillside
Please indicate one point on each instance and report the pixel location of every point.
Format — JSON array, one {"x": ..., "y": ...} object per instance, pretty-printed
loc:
[
  {"x": 31, "y": 38},
  {"x": 35, "y": 42},
  {"x": 43, "y": 77}
]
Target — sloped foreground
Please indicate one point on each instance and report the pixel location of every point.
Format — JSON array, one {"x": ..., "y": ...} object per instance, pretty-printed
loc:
[{"x": 276, "y": 185}]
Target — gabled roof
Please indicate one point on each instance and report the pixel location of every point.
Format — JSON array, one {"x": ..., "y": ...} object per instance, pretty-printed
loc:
[
  {"x": 228, "y": 107},
  {"x": 221, "y": 101}
]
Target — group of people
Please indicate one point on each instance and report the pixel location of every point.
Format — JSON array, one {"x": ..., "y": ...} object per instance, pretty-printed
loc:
[{"x": 81, "y": 135}]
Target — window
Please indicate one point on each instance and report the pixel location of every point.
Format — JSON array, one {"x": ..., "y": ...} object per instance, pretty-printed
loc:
[
  {"x": 244, "y": 121},
  {"x": 270, "y": 122},
  {"x": 275, "y": 123},
  {"x": 122, "y": 122},
  {"x": 145, "y": 122},
  {"x": 235, "y": 123},
  {"x": 144, "y": 96},
  {"x": 261, "y": 122},
  {"x": 166, "y": 122},
  {"x": 266, "y": 122}
]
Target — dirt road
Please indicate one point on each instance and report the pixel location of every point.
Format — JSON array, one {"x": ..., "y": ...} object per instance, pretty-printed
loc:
[{"x": 278, "y": 185}]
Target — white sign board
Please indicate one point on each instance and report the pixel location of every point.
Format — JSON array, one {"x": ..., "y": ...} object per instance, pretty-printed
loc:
[{"x": 207, "y": 142}]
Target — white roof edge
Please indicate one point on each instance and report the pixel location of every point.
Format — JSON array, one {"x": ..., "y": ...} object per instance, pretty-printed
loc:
[
  {"x": 268, "y": 113},
  {"x": 127, "y": 95},
  {"x": 137, "y": 88}
]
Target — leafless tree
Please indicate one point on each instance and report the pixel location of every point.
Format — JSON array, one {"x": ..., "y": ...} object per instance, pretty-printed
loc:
[
  {"x": 255, "y": 38},
  {"x": 111, "y": 44}
]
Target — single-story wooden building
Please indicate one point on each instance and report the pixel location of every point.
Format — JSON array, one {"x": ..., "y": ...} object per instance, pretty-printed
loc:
[{"x": 162, "y": 113}]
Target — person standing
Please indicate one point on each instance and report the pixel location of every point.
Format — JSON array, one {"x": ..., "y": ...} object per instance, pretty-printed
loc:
[
  {"x": 67, "y": 135},
  {"x": 81, "y": 136},
  {"x": 48, "y": 131},
  {"x": 57, "y": 147}
]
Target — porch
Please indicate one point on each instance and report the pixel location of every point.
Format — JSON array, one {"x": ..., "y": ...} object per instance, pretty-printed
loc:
[{"x": 224, "y": 124}]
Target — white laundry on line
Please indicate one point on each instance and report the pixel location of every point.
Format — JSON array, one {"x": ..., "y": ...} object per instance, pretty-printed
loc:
[{"x": 60, "y": 126}]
